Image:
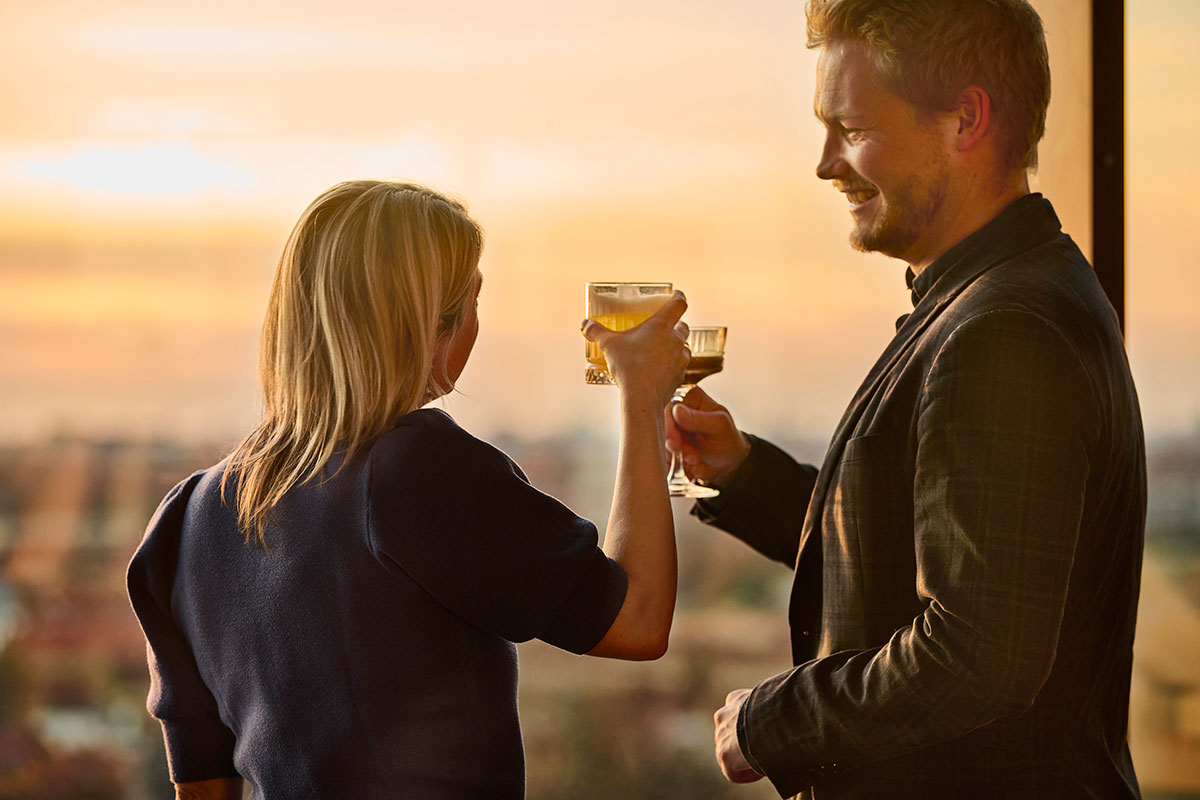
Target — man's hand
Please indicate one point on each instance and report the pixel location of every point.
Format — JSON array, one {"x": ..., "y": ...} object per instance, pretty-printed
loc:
[
  {"x": 703, "y": 431},
  {"x": 729, "y": 753}
]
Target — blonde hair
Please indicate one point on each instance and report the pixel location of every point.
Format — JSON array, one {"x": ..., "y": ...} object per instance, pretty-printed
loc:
[
  {"x": 373, "y": 274},
  {"x": 928, "y": 51}
]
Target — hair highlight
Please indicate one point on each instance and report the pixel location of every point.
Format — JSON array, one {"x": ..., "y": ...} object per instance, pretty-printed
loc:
[{"x": 372, "y": 275}]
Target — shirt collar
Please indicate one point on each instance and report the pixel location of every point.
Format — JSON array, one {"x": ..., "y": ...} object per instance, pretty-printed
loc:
[{"x": 1025, "y": 222}]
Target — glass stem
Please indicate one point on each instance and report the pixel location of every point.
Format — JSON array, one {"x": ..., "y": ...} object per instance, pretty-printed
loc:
[{"x": 677, "y": 477}]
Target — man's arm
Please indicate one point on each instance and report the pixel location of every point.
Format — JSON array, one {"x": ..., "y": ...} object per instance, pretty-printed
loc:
[
  {"x": 1001, "y": 470},
  {"x": 764, "y": 491}
]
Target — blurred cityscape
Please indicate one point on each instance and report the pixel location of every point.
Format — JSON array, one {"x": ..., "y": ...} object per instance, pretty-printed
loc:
[{"x": 72, "y": 663}]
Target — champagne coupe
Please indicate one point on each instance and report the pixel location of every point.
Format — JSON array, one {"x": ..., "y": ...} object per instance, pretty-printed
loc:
[
  {"x": 708, "y": 358},
  {"x": 619, "y": 307}
]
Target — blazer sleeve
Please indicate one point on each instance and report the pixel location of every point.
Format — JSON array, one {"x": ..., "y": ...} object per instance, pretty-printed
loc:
[
  {"x": 765, "y": 502},
  {"x": 199, "y": 746},
  {"x": 1003, "y": 432}
]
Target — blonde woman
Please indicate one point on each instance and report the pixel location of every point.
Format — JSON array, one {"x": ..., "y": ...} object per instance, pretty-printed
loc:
[{"x": 331, "y": 610}]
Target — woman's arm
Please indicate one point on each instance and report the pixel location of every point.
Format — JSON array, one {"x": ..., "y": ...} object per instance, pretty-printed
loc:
[
  {"x": 647, "y": 363},
  {"x": 216, "y": 789}
]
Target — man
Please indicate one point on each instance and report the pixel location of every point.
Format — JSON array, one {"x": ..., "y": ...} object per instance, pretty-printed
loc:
[{"x": 967, "y": 557}]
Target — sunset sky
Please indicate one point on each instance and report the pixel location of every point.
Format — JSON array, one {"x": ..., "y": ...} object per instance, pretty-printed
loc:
[{"x": 154, "y": 156}]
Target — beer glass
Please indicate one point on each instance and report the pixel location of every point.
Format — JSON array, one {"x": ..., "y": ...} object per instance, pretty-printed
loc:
[
  {"x": 708, "y": 358},
  {"x": 618, "y": 307}
]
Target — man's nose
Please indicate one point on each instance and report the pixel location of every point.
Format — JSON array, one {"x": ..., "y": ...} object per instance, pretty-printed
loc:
[{"x": 831, "y": 164}]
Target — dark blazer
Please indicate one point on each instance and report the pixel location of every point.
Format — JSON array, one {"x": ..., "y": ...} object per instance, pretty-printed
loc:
[{"x": 967, "y": 558}]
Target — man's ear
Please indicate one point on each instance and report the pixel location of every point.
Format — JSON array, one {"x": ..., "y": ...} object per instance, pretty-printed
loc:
[{"x": 974, "y": 117}]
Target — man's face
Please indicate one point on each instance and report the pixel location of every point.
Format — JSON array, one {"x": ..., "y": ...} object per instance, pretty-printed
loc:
[{"x": 890, "y": 164}]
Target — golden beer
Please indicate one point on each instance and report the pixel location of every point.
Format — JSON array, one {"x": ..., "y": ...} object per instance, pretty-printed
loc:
[{"x": 619, "y": 307}]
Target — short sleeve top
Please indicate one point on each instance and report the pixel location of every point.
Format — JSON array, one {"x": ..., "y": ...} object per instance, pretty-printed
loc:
[
  {"x": 367, "y": 651},
  {"x": 512, "y": 561}
]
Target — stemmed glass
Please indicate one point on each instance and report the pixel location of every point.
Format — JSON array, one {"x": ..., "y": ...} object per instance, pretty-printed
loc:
[{"x": 708, "y": 358}]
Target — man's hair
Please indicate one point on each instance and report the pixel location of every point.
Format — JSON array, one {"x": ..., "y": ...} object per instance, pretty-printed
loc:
[{"x": 928, "y": 51}]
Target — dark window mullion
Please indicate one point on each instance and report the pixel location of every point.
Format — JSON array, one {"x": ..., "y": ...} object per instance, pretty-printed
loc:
[{"x": 1108, "y": 149}]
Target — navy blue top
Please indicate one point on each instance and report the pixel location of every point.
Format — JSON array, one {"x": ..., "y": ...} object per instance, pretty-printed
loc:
[{"x": 367, "y": 652}]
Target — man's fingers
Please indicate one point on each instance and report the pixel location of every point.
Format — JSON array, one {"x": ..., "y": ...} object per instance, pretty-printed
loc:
[
  {"x": 730, "y": 758},
  {"x": 745, "y": 776},
  {"x": 674, "y": 440},
  {"x": 696, "y": 470},
  {"x": 700, "y": 421},
  {"x": 682, "y": 416},
  {"x": 697, "y": 398}
]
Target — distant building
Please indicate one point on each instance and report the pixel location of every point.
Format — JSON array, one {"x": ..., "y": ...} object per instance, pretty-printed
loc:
[{"x": 73, "y": 511}]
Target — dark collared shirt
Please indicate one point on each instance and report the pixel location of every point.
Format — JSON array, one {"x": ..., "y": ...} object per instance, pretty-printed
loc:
[{"x": 967, "y": 557}]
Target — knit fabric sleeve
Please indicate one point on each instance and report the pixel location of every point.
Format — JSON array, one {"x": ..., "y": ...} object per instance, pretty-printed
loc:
[
  {"x": 457, "y": 516},
  {"x": 199, "y": 745}
]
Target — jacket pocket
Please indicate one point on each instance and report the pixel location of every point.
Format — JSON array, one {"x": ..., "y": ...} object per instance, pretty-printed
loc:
[{"x": 881, "y": 445}]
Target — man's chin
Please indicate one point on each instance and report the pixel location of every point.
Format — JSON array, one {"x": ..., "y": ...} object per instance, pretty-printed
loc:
[
  {"x": 886, "y": 241},
  {"x": 868, "y": 241}
]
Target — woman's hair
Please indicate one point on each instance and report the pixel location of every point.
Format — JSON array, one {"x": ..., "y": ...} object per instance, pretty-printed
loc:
[
  {"x": 928, "y": 51},
  {"x": 373, "y": 274}
]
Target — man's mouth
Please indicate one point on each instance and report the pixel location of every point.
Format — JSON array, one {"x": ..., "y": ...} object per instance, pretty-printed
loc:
[{"x": 858, "y": 197}]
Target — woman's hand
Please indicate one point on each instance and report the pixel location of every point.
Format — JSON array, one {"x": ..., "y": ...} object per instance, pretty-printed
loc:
[{"x": 649, "y": 358}]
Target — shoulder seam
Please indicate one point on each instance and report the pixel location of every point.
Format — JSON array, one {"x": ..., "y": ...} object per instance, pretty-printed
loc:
[{"x": 1007, "y": 309}]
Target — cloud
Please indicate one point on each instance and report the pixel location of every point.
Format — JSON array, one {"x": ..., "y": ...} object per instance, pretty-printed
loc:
[{"x": 155, "y": 171}]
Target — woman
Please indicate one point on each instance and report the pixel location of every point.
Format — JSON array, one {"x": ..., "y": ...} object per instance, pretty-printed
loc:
[{"x": 331, "y": 610}]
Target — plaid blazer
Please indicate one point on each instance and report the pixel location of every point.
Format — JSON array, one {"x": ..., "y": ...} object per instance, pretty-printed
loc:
[{"x": 967, "y": 558}]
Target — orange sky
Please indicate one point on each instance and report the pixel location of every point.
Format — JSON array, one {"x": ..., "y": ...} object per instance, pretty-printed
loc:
[{"x": 153, "y": 157}]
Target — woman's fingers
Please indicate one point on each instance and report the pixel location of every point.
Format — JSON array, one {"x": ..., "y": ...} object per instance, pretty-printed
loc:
[
  {"x": 673, "y": 309},
  {"x": 649, "y": 357},
  {"x": 593, "y": 330}
]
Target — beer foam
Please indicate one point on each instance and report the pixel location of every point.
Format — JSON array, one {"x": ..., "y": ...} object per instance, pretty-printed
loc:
[
  {"x": 635, "y": 301},
  {"x": 630, "y": 299}
]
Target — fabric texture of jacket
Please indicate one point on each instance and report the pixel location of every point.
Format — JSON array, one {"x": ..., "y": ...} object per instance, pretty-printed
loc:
[{"x": 967, "y": 558}]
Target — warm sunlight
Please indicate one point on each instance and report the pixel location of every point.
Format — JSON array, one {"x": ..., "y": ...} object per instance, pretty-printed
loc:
[{"x": 154, "y": 157}]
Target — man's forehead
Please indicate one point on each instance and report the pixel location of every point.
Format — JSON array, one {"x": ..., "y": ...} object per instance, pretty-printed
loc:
[{"x": 846, "y": 80}]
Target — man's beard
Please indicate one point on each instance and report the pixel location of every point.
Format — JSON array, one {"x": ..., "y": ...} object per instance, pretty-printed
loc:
[{"x": 906, "y": 215}]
